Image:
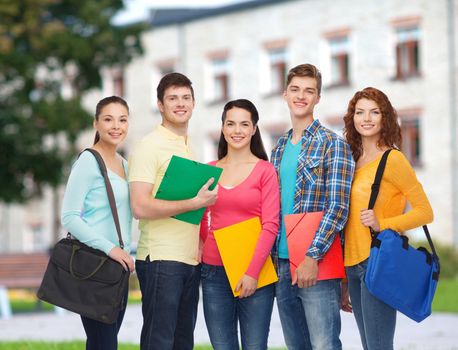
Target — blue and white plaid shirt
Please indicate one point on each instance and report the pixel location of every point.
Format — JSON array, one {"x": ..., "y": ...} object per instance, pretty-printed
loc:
[{"x": 323, "y": 179}]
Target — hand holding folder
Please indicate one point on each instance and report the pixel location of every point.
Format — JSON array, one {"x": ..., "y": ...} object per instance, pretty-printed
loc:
[
  {"x": 300, "y": 232},
  {"x": 236, "y": 244},
  {"x": 182, "y": 180}
]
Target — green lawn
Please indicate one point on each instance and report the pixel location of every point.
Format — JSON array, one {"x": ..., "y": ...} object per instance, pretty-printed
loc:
[
  {"x": 446, "y": 299},
  {"x": 74, "y": 345}
]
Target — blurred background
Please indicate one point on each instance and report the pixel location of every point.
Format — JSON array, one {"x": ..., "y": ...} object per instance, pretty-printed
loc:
[{"x": 58, "y": 58}]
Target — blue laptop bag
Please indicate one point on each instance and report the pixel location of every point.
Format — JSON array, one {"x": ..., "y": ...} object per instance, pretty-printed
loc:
[{"x": 398, "y": 274}]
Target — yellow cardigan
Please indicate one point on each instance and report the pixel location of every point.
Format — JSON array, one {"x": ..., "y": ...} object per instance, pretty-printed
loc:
[{"x": 399, "y": 184}]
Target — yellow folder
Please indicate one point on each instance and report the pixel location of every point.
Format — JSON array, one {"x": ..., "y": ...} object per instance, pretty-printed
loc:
[{"x": 236, "y": 244}]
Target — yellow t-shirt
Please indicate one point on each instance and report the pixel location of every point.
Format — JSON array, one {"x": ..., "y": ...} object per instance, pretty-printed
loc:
[
  {"x": 399, "y": 184},
  {"x": 166, "y": 238}
]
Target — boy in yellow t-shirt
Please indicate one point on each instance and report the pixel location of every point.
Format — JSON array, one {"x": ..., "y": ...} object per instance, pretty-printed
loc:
[{"x": 167, "y": 257}]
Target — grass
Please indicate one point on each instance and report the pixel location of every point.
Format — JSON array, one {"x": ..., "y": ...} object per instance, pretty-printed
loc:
[
  {"x": 72, "y": 345},
  {"x": 445, "y": 299},
  {"x": 23, "y": 300}
]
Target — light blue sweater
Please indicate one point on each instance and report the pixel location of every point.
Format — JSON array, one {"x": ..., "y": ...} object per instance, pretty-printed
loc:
[{"x": 86, "y": 212}]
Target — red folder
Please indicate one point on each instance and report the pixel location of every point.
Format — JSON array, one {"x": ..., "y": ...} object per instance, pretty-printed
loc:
[{"x": 300, "y": 231}]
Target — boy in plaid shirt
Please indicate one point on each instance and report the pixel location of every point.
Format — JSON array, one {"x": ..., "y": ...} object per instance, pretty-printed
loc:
[{"x": 315, "y": 168}]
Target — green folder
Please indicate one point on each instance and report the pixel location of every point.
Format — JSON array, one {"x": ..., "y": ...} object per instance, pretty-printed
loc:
[{"x": 182, "y": 180}]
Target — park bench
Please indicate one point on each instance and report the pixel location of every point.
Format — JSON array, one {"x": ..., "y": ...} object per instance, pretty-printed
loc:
[{"x": 20, "y": 270}]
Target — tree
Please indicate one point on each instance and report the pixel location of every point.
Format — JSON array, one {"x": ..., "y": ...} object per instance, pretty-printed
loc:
[{"x": 51, "y": 53}]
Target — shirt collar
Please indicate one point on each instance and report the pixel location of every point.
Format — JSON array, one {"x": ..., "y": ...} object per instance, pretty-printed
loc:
[
  {"x": 169, "y": 134},
  {"x": 312, "y": 128}
]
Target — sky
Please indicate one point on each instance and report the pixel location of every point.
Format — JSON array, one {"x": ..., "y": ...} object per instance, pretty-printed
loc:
[{"x": 136, "y": 10}]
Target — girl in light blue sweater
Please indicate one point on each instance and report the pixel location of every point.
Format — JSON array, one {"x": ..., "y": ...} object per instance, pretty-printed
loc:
[{"x": 86, "y": 210}]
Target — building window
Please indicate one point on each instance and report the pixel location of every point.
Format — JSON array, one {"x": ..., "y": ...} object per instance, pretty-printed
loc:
[
  {"x": 118, "y": 83},
  {"x": 407, "y": 52},
  {"x": 220, "y": 80},
  {"x": 339, "y": 48},
  {"x": 214, "y": 140},
  {"x": 217, "y": 78},
  {"x": 273, "y": 132},
  {"x": 277, "y": 70},
  {"x": 335, "y": 123},
  {"x": 411, "y": 139},
  {"x": 159, "y": 69},
  {"x": 166, "y": 69}
]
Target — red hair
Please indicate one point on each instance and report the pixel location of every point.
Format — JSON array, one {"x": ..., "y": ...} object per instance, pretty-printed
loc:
[{"x": 390, "y": 134}]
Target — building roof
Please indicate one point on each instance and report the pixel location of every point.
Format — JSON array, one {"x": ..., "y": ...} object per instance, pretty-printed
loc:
[{"x": 165, "y": 17}]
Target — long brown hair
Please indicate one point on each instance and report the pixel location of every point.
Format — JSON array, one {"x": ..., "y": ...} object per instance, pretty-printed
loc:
[
  {"x": 390, "y": 134},
  {"x": 256, "y": 145}
]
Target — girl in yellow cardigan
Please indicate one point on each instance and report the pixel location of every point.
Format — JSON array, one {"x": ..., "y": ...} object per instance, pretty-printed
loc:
[{"x": 371, "y": 127}]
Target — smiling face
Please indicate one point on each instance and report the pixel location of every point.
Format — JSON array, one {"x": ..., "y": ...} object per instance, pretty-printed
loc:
[
  {"x": 301, "y": 96},
  {"x": 238, "y": 128},
  {"x": 368, "y": 119},
  {"x": 177, "y": 106},
  {"x": 112, "y": 123}
]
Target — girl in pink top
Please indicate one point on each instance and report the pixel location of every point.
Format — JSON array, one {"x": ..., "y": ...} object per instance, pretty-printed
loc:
[{"x": 248, "y": 188}]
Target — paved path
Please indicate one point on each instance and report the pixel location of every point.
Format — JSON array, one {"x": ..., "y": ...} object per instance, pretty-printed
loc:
[{"x": 438, "y": 332}]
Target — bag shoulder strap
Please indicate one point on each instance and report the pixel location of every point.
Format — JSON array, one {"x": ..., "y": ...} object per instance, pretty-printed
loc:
[
  {"x": 111, "y": 199},
  {"x": 375, "y": 189},
  {"x": 374, "y": 193}
]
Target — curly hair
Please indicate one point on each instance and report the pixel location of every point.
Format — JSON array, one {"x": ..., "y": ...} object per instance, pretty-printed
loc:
[{"x": 390, "y": 134}]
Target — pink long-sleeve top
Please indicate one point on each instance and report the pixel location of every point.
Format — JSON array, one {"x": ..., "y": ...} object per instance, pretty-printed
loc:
[{"x": 258, "y": 195}]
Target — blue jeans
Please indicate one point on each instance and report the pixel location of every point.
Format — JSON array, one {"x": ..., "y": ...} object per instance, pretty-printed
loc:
[
  {"x": 102, "y": 336},
  {"x": 376, "y": 320},
  {"x": 292, "y": 316},
  {"x": 321, "y": 304},
  {"x": 223, "y": 311},
  {"x": 170, "y": 293}
]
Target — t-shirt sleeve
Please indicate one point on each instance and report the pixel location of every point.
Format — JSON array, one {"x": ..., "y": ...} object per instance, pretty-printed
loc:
[
  {"x": 143, "y": 163},
  {"x": 402, "y": 176}
]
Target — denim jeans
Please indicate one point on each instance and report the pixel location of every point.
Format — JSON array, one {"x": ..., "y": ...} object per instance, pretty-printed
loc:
[
  {"x": 223, "y": 311},
  {"x": 321, "y": 304},
  {"x": 376, "y": 320},
  {"x": 102, "y": 336},
  {"x": 170, "y": 293},
  {"x": 292, "y": 316}
]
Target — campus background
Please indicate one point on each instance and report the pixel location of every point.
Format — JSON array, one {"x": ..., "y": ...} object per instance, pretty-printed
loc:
[{"x": 243, "y": 50}]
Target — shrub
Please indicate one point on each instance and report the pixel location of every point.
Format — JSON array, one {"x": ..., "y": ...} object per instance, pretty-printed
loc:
[{"x": 448, "y": 256}]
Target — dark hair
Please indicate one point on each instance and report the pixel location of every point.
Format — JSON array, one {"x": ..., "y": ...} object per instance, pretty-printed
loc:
[
  {"x": 305, "y": 70},
  {"x": 173, "y": 79},
  {"x": 390, "y": 134},
  {"x": 256, "y": 145},
  {"x": 102, "y": 104}
]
